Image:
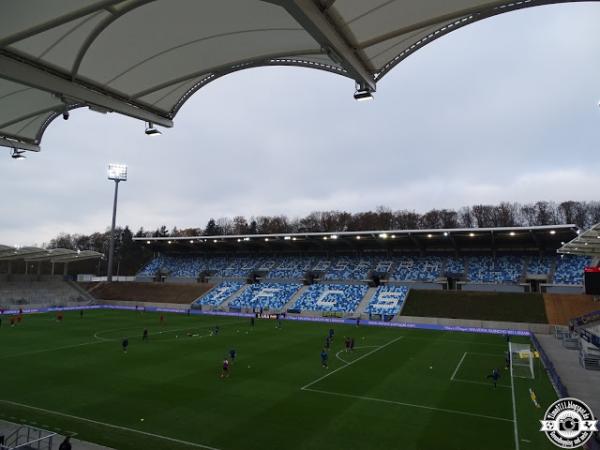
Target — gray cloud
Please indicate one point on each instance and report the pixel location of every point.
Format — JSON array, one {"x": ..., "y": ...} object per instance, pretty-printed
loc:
[{"x": 505, "y": 109}]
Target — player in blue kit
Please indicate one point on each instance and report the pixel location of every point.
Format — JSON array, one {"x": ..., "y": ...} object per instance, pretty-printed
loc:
[
  {"x": 324, "y": 359},
  {"x": 495, "y": 375}
]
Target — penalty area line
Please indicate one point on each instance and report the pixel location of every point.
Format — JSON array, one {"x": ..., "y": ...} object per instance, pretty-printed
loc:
[
  {"x": 412, "y": 405},
  {"x": 303, "y": 388},
  {"x": 109, "y": 425},
  {"x": 458, "y": 366}
]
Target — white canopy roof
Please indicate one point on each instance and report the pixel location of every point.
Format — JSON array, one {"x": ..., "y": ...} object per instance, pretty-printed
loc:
[
  {"x": 35, "y": 254},
  {"x": 144, "y": 58},
  {"x": 586, "y": 243}
]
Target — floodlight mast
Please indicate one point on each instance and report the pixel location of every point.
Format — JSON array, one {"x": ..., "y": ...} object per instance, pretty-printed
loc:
[{"x": 116, "y": 173}]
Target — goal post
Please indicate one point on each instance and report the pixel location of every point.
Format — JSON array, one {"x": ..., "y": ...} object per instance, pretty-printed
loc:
[{"x": 521, "y": 360}]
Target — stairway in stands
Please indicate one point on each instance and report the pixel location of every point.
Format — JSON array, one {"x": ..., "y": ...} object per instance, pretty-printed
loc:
[
  {"x": 225, "y": 305},
  {"x": 364, "y": 303},
  {"x": 296, "y": 296}
]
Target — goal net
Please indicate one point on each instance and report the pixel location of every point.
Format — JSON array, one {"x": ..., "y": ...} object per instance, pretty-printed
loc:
[{"x": 521, "y": 360}]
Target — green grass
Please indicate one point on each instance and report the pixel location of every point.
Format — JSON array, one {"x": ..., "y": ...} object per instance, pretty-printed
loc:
[
  {"x": 387, "y": 397},
  {"x": 497, "y": 306}
]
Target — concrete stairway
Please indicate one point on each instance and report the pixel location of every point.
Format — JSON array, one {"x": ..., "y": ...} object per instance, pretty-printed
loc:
[
  {"x": 295, "y": 297},
  {"x": 581, "y": 383},
  {"x": 362, "y": 306},
  {"x": 225, "y": 305}
]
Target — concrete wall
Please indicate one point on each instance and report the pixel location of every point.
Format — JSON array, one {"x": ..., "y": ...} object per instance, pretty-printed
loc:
[
  {"x": 431, "y": 286},
  {"x": 561, "y": 289},
  {"x": 492, "y": 287},
  {"x": 535, "y": 327},
  {"x": 142, "y": 304}
]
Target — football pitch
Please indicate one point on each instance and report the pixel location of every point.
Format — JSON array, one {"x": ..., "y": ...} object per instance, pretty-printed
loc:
[{"x": 399, "y": 388}]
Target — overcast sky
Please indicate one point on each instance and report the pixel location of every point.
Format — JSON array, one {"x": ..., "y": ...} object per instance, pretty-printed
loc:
[{"x": 501, "y": 110}]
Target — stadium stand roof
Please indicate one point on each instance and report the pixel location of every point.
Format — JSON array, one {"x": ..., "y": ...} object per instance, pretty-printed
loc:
[
  {"x": 55, "y": 255},
  {"x": 538, "y": 238},
  {"x": 586, "y": 243},
  {"x": 145, "y": 58}
]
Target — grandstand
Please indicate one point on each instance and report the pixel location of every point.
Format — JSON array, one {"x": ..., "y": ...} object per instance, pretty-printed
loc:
[
  {"x": 339, "y": 298},
  {"x": 387, "y": 300},
  {"x": 265, "y": 296}
]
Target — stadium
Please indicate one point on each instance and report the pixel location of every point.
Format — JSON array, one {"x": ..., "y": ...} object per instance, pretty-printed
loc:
[{"x": 446, "y": 334}]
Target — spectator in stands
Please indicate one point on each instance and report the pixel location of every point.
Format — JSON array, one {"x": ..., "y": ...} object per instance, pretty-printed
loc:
[{"x": 66, "y": 444}]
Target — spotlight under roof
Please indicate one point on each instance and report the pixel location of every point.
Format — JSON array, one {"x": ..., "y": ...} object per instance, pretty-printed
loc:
[
  {"x": 363, "y": 96},
  {"x": 17, "y": 154},
  {"x": 151, "y": 131}
]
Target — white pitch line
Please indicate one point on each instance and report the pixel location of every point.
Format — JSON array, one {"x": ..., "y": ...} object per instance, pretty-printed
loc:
[
  {"x": 33, "y": 352},
  {"x": 350, "y": 363},
  {"x": 458, "y": 366},
  {"x": 479, "y": 382},
  {"x": 457, "y": 341},
  {"x": 109, "y": 425},
  {"x": 412, "y": 405},
  {"x": 337, "y": 355},
  {"x": 514, "y": 408}
]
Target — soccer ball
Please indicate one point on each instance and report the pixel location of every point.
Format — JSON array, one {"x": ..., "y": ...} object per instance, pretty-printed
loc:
[
  {"x": 141, "y": 420},
  {"x": 430, "y": 367},
  {"x": 248, "y": 367}
]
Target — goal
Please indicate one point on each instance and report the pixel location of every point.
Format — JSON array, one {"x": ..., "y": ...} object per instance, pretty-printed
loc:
[{"x": 521, "y": 360}]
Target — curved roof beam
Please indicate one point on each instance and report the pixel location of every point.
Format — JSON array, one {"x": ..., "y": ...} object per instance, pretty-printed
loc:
[
  {"x": 48, "y": 25},
  {"x": 331, "y": 39},
  {"x": 227, "y": 68},
  {"x": 100, "y": 28},
  {"x": 455, "y": 21},
  {"x": 195, "y": 41},
  {"x": 26, "y": 73}
]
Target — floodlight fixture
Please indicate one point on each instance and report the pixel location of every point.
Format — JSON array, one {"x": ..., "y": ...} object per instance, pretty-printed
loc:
[
  {"x": 151, "y": 131},
  {"x": 358, "y": 238},
  {"x": 429, "y": 235},
  {"x": 512, "y": 233},
  {"x": 246, "y": 238},
  {"x": 266, "y": 239},
  {"x": 324, "y": 238},
  {"x": 147, "y": 242},
  {"x": 445, "y": 233},
  {"x": 472, "y": 234},
  {"x": 334, "y": 236},
  {"x": 552, "y": 231},
  {"x": 383, "y": 235},
  {"x": 287, "y": 238},
  {"x": 117, "y": 172},
  {"x": 393, "y": 236},
  {"x": 191, "y": 241}
]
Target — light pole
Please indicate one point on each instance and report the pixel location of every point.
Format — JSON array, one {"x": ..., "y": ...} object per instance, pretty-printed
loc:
[{"x": 116, "y": 172}]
